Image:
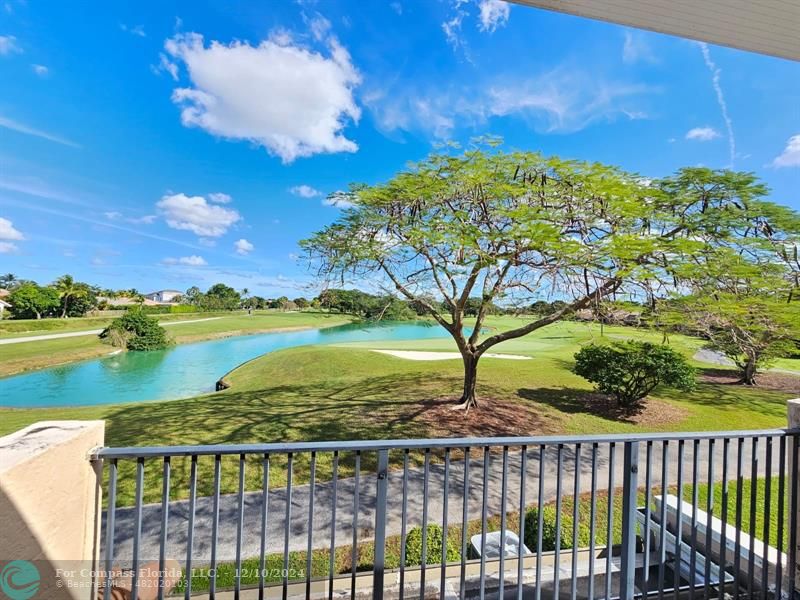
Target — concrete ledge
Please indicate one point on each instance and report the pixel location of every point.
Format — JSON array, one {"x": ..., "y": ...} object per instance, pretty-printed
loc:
[{"x": 49, "y": 504}]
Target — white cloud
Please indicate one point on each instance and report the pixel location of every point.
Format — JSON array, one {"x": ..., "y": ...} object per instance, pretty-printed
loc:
[
  {"x": 195, "y": 214},
  {"x": 243, "y": 247},
  {"x": 790, "y": 157},
  {"x": 636, "y": 49},
  {"x": 22, "y": 128},
  {"x": 143, "y": 220},
  {"x": 702, "y": 134},
  {"x": 207, "y": 242},
  {"x": 165, "y": 65},
  {"x": 397, "y": 7},
  {"x": 339, "y": 199},
  {"x": 292, "y": 100},
  {"x": 112, "y": 215},
  {"x": 8, "y": 45},
  {"x": 40, "y": 70},
  {"x": 305, "y": 191},
  {"x": 188, "y": 261},
  {"x": 452, "y": 30},
  {"x": 723, "y": 105},
  {"x": 493, "y": 14},
  {"x": 7, "y": 248},
  {"x": 563, "y": 100},
  {"x": 8, "y": 232},
  {"x": 137, "y": 30},
  {"x": 220, "y": 198}
]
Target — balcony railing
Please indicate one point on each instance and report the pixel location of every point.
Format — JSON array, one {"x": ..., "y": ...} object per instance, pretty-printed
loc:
[{"x": 649, "y": 515}]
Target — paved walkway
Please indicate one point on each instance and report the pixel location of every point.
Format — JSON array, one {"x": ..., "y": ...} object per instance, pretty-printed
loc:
[
  {"x": 69, "y": 334},
  {"x": 323, "y": 500}
]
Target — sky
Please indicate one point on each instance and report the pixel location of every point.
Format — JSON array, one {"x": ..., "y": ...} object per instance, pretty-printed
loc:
[{"x": 171, "y": 144}]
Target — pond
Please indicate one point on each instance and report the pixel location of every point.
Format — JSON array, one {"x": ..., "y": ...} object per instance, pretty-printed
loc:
[{"x": 181, "y": 371}]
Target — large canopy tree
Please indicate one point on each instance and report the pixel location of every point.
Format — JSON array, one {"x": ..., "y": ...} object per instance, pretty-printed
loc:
[{"x": 515, "y": 227}]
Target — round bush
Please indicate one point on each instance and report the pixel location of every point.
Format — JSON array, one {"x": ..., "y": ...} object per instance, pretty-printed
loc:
[
  {"x": 549, "y": 529},
  {"x": 434, "y": 547},
  {"x": 136, "y": 331},
  {"x": 630, "y": 370}
]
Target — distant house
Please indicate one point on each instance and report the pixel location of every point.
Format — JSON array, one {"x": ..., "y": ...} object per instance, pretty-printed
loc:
[
  {"x": 164, "y": 296},
  {"x": 4, "y": 293},
  {"x": 3, "y": 306}
]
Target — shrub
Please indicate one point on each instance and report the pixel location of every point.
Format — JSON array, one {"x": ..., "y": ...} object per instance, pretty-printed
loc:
[
  {"x": 630, "y": 370},
  {"x": 549, "y": 529},
  {"x": 136, "y": 331},
  {"x": 434, "y": 547}
]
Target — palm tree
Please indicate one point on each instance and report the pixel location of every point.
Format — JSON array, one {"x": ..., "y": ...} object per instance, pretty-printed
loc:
[
  {"x": 68, "y": 289},
  {"x": 8, "y": 281}
]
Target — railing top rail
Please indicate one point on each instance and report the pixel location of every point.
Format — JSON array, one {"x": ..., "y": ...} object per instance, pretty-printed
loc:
[{"x": 421, "y": 444}]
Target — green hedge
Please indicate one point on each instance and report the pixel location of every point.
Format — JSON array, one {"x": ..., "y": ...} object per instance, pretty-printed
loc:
[
  {"x": 549, "y": 529},
  {"x": 433, "y": 552}
]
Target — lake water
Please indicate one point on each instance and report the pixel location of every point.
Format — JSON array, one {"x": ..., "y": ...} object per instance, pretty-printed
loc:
[{"x": 178, "y": 372}]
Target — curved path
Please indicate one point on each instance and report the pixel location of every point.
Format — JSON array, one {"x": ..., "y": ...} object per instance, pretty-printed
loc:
[
  {"x": 69, "y": 334},
  {"x": 323, "y": 499}
]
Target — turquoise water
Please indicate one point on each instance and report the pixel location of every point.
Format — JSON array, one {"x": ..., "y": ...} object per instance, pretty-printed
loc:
[{"x": 179, "y": 372}]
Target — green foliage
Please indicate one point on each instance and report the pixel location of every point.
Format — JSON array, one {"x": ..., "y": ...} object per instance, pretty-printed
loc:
[
  {"x": 631, "y": 370},
  {"x": 751, "y": 330},
  {"x": 369, "y": 306},
  {"x": 433, "y": 551},
  {"x": 218, "y": 297},
  {"x": 136, "y": 331},
  {"x": 29, "y": 301},
  {"x": 549, "y": 529},
  {"x": 77, "y": 298}
]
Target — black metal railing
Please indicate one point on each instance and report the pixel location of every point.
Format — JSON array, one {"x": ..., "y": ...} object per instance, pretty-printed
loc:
[{"x": 680, "y": 515}]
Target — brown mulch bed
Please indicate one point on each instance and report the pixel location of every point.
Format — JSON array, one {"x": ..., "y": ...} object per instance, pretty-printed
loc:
[
  {"x": 772, "y": 380},
  {"x": 492, "y": 418}
]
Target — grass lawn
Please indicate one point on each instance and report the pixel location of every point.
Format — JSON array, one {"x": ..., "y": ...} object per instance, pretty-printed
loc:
[
  {"x": 345, "y": 393},
  {"x": 16, "y": 358}
]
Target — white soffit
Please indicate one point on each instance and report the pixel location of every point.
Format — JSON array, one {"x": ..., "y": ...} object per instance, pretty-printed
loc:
[{"x": 764, "y": 26}]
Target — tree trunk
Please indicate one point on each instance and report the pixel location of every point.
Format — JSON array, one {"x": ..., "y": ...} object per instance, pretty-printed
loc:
[
  {"x": 468, "y": 398},
  {"x": 64, "y": 311},
  {"x": 749, "y": 372}
]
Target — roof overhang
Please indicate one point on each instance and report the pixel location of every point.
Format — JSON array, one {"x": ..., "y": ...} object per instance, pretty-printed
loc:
[{"x": 764, "y": 26}]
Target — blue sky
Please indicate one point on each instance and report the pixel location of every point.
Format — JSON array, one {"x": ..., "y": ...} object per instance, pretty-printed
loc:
[{"x": 164, "y": 145}]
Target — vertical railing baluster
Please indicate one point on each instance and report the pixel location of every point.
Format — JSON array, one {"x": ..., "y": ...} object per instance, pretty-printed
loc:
[
  {"x": 190, "y": 529},
  {"x": 559, "y": 492},
  {"x": 464, "y": 533},
  {"x": 767, "y": 500},
  {"x": 576, "y": 495},
  {"x": 445, "y": 498},
  {"x": 503, "y": 498},
  {"x": 287, "y": 525},
  {"x": 539, "y": 523},
  {"x": 354, "y": 548},
  {"x": 262, "y": 558},
  {"x": 791, "y": 583},
  {"x": 725, "y": 498},
  {"x": 403, "y": 525},
  {"x": 334, "y": 496},
  {"x": 710, "y": 515},
  {"x": 592, "y": 522},
  {"x": 679, "y": 525},
  {"x": 751, "y": 588},
  {"x": 310, "y": 542},
  {"x": 162, "y": 545},
  {"x": 237, "y": 582},
  {"x": 523, "y": 468},
  {"x": 781, "y": 514},
  {"x": 629, "y": 495},
  {"x": 737, "y": 547},
  {"x": 381, "y": 489},
  {"x": 648, "y": 483},
  {"x": 110, "y": 527},
  {"x": 212, "y": 584},
  {"x": 484, "y": 509},
  {"x": 137, "y": 527},
  {"x": 695, "y": 502},
  {"x": 662, "y": 517},
  {"x": 423, "y": 566},
  {"x": 610, "y": 516}
]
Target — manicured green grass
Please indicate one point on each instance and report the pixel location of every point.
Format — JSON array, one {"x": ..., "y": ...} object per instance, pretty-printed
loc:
[
  {"x": 335, "y": 393},
  {"x": 16, "y": 358}
]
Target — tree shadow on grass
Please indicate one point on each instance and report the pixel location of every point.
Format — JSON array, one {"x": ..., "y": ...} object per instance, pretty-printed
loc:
[{"x": 574, "y": 401}]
